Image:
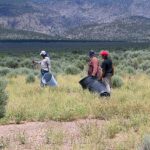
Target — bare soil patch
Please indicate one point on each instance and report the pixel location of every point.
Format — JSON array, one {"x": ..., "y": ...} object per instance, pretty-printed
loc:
[{"x": 33, "y": 135}]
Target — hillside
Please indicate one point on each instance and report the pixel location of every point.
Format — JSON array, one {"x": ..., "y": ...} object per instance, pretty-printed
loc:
[
  {"x": 57, "y": 18},
  {"x": 133, "y": 28},
  {"x": 9, "y": 34}
]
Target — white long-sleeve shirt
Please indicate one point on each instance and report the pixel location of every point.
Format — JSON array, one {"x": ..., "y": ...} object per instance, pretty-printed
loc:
[{"x": 45, "y": 64}]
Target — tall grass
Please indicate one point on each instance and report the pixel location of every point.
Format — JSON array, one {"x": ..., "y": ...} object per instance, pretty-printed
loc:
[
  {"x": 126, "y": 111},
  {"x": 69, "y": 101}
]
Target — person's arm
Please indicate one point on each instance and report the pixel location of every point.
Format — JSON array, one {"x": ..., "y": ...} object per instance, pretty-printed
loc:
[
  {"x": 103, "y": 69},
  {"x": 113, "y": 70},
  {"x": 100, "y": 75},
  {"x": 49, "y": 64},
  {"x": 89, "y": 68},
  {"x": 36, "y": 62},
  {"x": 95, "y": 66},
  {"x": 103, "y": 73}
]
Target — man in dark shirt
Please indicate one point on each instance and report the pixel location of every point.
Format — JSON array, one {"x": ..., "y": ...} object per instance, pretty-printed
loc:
[{"x": 107, "y": 70}]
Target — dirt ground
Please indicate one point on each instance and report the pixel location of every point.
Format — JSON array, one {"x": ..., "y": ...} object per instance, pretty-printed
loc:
[
  {"x": 32, "y": 135},
  {"x": 42, "y": 135}
]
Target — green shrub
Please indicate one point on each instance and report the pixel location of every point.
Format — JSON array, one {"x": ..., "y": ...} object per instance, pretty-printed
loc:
[
  {"x": 12, "y": 74},
  {"x": 12, "y": 63},
  {"x": 80, "y": 65},
  {"x": 130, "y": 70},
  {"x": 139, "y": 71},
  {"x": 30, "y": 78},
  {"x": 148, "y": 71},
  {"x": 23, "y": 71},
  {"x": 4, "y": 71},
  {"x": 3, "y": 97},
  {"x": 135, "y": 63},
  {"x": 83, "y": 58},
  {"x": 26, "y": 63},
  {"x": 117, "y": 81},
  {"x": 56, "y": 66},
  {"x": 120, "y": 66},
  {"x": 145, "y": 65},
  {"x": 36, "y": 73},
  {"x": 119, "y": 71},
  {"x": 72, "y": 70},
  {"x": 115, "y": 57}
]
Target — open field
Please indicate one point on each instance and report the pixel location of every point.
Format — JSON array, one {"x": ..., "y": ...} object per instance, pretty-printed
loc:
[
  {"x": 121, "y": 121},
  {"x": 67, "y": 117},
  {"x": 27, "y": 101}
]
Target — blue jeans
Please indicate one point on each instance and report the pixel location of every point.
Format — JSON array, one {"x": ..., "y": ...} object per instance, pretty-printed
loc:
[{"x": 42, "y": 74}]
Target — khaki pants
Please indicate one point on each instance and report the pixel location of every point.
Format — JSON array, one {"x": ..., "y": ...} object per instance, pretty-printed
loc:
[{"x": 107, "y": 81}]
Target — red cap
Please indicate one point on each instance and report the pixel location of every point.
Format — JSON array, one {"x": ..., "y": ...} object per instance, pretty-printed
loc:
[{"x": 104, "y": 53}]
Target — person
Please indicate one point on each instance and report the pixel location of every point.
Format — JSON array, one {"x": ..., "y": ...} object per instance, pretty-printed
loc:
[
  {"x": 93, "y": 65},
  {"x": 107, "y": 70},
  {"x": 44, "y": 63}
]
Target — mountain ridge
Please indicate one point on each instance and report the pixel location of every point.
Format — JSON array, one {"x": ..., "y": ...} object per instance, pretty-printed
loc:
[
  {"x": 125, "y": 29},
  {"x": 57, "y": 18}
]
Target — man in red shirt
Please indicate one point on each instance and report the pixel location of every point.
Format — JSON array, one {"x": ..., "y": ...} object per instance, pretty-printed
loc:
[{"x": 93, "y": 66}]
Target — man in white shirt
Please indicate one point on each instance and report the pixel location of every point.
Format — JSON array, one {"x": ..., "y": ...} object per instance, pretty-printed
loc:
[{"x": 44, "y": 63}]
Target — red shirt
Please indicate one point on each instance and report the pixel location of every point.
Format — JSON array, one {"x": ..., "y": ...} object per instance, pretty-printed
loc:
[{"x": 94, "y": 67}]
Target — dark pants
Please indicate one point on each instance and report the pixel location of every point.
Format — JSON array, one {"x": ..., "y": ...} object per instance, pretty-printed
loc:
[{"x": 42, "y": 74}]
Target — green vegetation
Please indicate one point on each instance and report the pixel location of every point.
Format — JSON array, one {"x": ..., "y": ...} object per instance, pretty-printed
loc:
[
  {"x": 72, "y": 70},
  {"x": 117, "y": 81},
  {"x": 125, "y": 114},
  {"x": 30, "y": 78},
  {"x": 14, "y": 34},
  {"x": 3, "y": 98}
]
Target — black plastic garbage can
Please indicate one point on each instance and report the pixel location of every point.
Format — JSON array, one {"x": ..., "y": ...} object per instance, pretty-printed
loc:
[{"x": 93, "y": 85}]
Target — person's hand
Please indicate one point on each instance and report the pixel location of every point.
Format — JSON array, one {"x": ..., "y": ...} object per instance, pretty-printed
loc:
[
  {"x": 93, "y": 77},
  {"x": 101, "y": 78}
]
